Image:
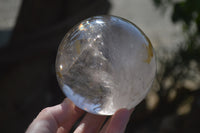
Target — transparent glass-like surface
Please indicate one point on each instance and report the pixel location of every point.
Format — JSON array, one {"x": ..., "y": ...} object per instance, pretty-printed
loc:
[{"x": 105, "y": 63}]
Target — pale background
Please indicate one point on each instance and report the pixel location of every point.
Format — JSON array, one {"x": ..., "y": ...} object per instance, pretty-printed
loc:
[{"x": 143, "y": 13}]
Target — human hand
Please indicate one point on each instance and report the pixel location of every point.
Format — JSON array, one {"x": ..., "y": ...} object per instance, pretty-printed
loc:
[{"x": 62, "y": 117}]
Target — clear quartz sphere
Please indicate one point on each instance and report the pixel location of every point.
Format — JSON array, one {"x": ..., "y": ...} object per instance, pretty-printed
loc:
[{"x": 105, "y": 63}]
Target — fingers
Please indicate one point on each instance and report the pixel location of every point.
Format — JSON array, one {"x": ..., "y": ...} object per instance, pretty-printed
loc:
[
  {"x": 103, "y": 130},
  {"x": 50, "y": 119},
  {"x": 62, "y": 117},
  {"x": 90, "y": 124},
  {"x": 117, "y": 123},
  {"x": 67, "y": 115}
]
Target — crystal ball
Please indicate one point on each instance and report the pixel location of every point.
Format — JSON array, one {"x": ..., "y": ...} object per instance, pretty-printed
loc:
[{"x": 105, "y": 63}]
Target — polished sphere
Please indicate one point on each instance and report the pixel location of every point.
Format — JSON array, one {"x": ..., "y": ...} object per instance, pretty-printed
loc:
[{"x": 105, "y": 63}]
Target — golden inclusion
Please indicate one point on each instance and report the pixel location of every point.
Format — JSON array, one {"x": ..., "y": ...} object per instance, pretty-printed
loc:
[
  {"x": 105, "y": 63},
  {"x": 150, "y": 53}
]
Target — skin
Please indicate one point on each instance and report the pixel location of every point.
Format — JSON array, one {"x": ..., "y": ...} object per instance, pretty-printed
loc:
[{"x": 61, "y": 118}]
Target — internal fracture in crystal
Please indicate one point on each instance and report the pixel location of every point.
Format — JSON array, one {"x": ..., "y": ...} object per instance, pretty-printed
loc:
[{"x": 105, "y": 63}]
